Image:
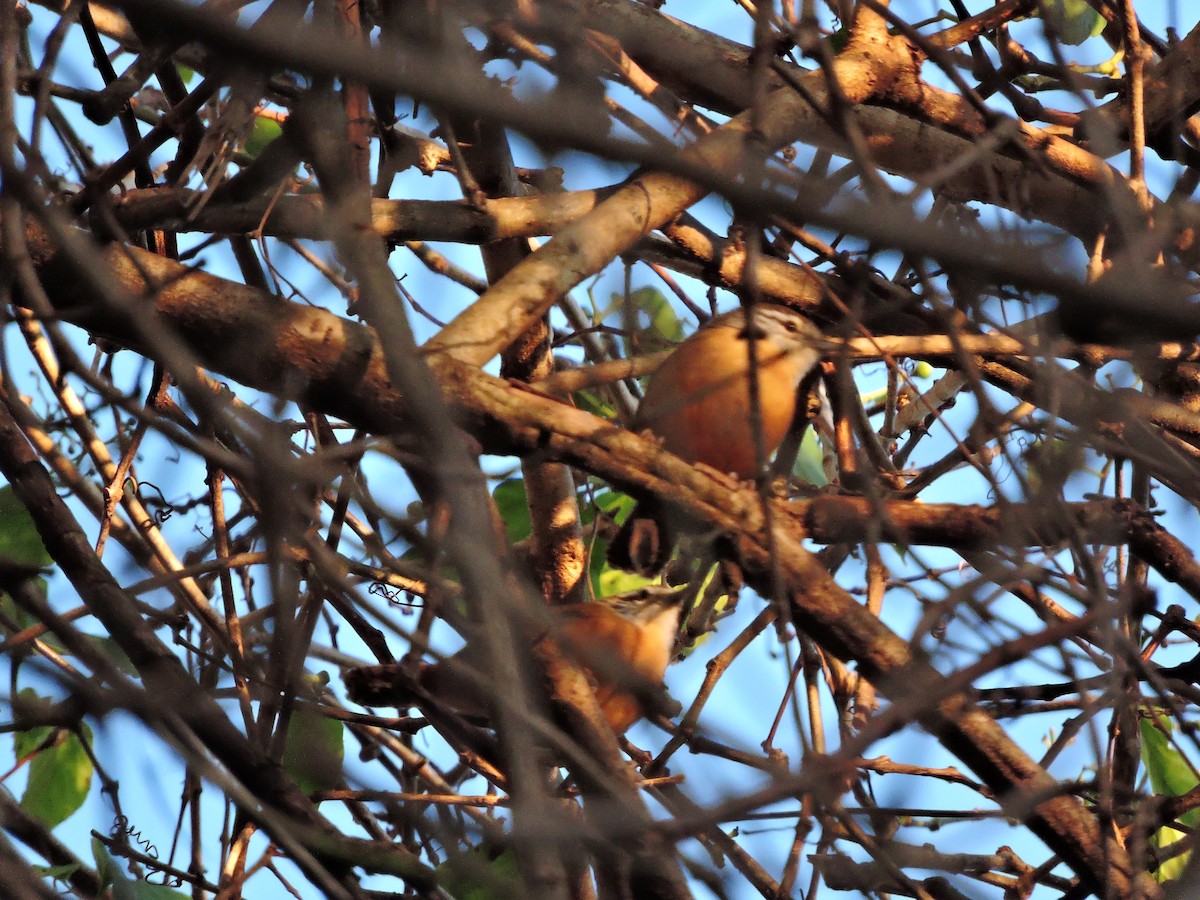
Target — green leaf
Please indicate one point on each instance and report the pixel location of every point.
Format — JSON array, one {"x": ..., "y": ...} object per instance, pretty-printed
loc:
[
  {"x": 592, "y": 402},
  {"x": 124, "y": 887},
  {"x": 616, "y": 581},
  {"x": 838, "y": 40},
  {"x": 663, "y": 329},
  {"x": 23, "y": 620},
  {"x": 1074, "y": 21},
  {"x": 513, "y": 507},
  {"x": 810, "y": 461},
  {"x": 112, "y": 651},
  {"x": 60, "y": 775},
  {"x": 107, "y": 869},
  {"x": 1173, "y": 775},
  {"x": 19, "y": 540},
  {"x": 1051, "y": 462},
  {"x": 314, "y": 751},
  {"x": 480, "y": 875},
  {"x": 14, "y": 613},
  {"x": 265, "y": 130},
  {"x": 664, "y": 321},
  {"x": 147, "y": 890},
  {"x": 690, "y": 624},
  {"x": 1169, "y": 770},
  {"x": 618, "y": 506},
  {"x": 58, "y": 873},
  {"x": 615, "y": 503}
]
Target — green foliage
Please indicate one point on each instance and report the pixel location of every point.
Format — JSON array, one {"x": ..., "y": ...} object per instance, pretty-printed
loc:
[
  {"x": 60, "y": 773},
  {"x": 838, "y": 40},
  {"x": 111, "y": 651},
  {"x": 106, "y": 868},
  {"x": 663, "y": 328},
  {"x": 615, "y": 581},
  {"x": 592, "y": 402},
  {"x": 19, "y": 540},
  {"x": 1073, "y": 21},
  {"x": 264, "y": 131},
  {"x": 1171, "y": 774},
  {"x": 661, "y": 331},
  {"x": 480, "y": 874},
  {"x": 513, "y": 507},
  {"x": 810, "y": 461},
  {"x": 124, "y": 887},
  {"x": 1051, "y": 463},
  {"x": 58, "y": 873},
  {"x": 14, "y": 613},
  {"x": 614, "y": 504},
  {"x": 606, "y": 581},
  {"x": 314, "y": 751},
  {"x": 145, "y": 890}
]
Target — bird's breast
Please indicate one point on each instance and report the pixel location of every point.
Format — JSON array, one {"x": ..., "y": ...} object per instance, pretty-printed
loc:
[{"x": 699, "y": 401}]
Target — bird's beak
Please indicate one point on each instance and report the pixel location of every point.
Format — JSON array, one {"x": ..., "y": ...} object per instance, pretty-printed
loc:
[{"x": 827, "y": 346}]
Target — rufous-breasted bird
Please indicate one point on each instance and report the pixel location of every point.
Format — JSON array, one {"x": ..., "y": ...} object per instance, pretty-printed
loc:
[
  {"x": 624, "y": 643},
  {"x": 699, "y": 404}
]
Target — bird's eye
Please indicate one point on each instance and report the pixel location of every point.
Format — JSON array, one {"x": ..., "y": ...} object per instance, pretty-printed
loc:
[{"x": 791, "y": 326}]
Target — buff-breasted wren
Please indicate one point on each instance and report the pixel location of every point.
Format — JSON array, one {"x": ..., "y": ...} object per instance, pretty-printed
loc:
[
  {"x": 624, "y": 643},
  {"x": 699, "y": 404}
]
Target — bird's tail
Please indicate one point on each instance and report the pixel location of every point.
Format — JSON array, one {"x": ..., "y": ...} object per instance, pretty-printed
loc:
[{"x": 644, "y": 542}]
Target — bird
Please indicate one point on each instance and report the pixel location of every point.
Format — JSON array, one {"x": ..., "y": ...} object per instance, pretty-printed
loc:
[
  {"x": 698, "y": 404},
  {"x": 624, "y": 643}
]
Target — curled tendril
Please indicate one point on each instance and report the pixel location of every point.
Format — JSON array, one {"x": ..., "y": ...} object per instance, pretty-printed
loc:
[
  {"x": 124, "y": 833},
  {"x": 164, "y": 511},
  {"x": 394, "y": 595}
]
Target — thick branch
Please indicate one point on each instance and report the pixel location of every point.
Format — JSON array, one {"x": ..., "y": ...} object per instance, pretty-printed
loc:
[
  {"x": 310, "y": 348},
  {"x": 835, "y": 520},
  {"x": 713, "y": 71}
]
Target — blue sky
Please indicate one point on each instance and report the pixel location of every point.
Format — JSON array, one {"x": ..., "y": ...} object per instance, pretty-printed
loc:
[{"x": 147, "y": 770}]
